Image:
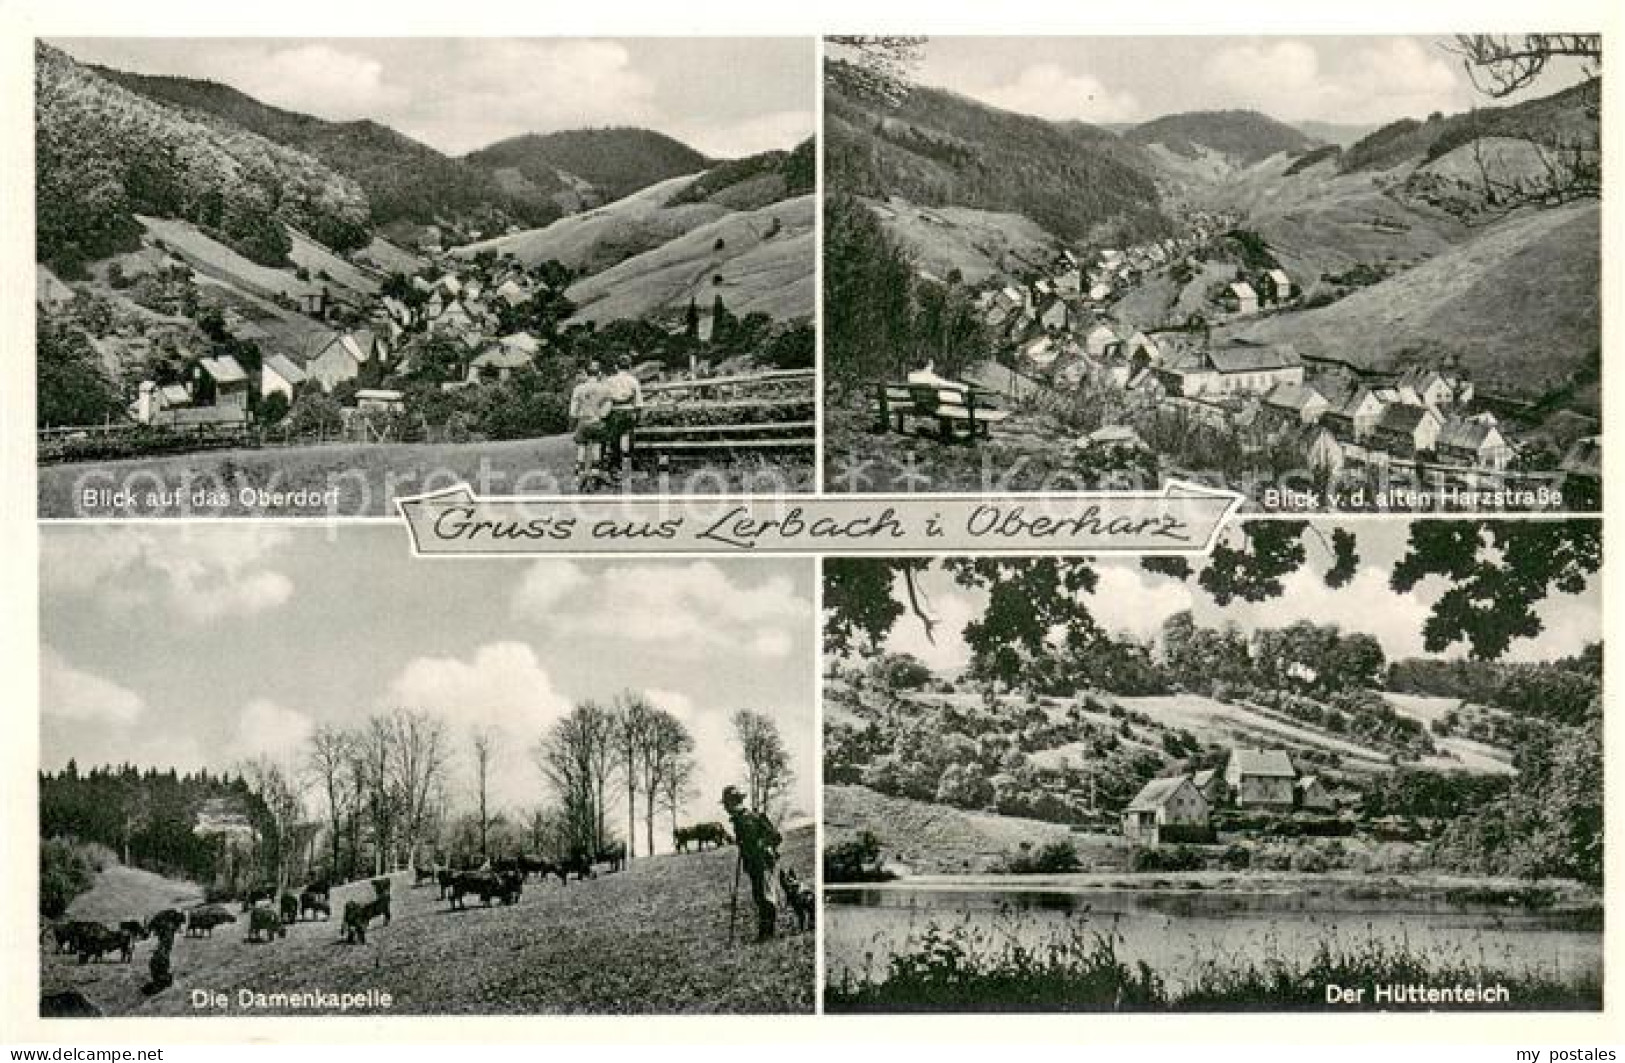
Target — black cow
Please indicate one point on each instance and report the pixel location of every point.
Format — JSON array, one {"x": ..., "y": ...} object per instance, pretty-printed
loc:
[
  {"x": 801, "y": 899},
  {"x": 443, "y": 878},
  {"x": 97, "y": 941},
  {"x": 288, "y": 908},
  {"x": 427, "y": 873},
  {"x": 321, "y": 889},
  {"x": 534, "y": 865},
  {"x": 202, "y": 921},
  {"x": 358, "y": 915},
  {"x": 256, "y": 894},
  {"x": 578, "y": 864},
  {"x": 66, "y": 934},
  {"x": 698, "y": 835},
  {"x": 265, "y": 924},
  {"x": 137, "y": 929},
  {"x": 506, "y": 886},
  {"x": 613, "y": 854},
  {"x": 167, "y": 921},
  {"x": 312, "y": 904}
]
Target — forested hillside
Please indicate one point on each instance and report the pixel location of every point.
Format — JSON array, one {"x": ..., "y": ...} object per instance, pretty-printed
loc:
[
  {"x": 613, "y": 162},
  {"x": 1245, "y": 136},
  {"x": 105, "y": 154}
]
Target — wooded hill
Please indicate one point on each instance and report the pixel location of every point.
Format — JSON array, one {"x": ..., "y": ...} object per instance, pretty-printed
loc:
[
  {"x": 938, "y": 148},
  {"x": 1245, "y": 136}
]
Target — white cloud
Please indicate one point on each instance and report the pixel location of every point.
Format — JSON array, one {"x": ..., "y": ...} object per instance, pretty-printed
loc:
[
  {"x": 1128, "y": 599},
  {"x": 945, "y": 650},
  {"x": 777, "y": 131},
  {"x": 71, "y": 694},
  {"x": 199, "y": 573},
  {"x": 681, "y": 606},
  {"x": 320, "y": 79},
  {"x": 1287, "y": 80},
  {"x": 265, "y": 728},
  {"x": 1049, "y": 91}
]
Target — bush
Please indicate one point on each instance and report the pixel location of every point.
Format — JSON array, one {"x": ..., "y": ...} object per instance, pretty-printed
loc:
[
  {"x": 1175, "y": 858},
  {"x": 858, "y": 860},
  {"x": 66, "y": 869},
  {"x": 1052, "y": 858}
]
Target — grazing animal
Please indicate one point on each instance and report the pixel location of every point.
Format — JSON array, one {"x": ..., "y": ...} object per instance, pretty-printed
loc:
[
  {"x": 288, "y": 908},
  {"x": 67, "y": 934},
  {"x": 319, "y": 889},
  {"x": 534, "y": 865},
  {"x": 577, "y": 864},
  {"x": 137, "y": 929},
  {"x": 698, "y": 835},
  {"x": 166, "y": 923},
  {"x": 444, "y": 878},
  {"x": 427, "y": 873},
  {"x": 613, "y": 854},
  {"x": 98, "y": 940},
  {"x": 202, "y": 921},
  {"x": 359, "y": 915},
  {"x": 801, "y": 899},
  {"x": 505, "y": 886},
  {"x": 314, "y": 904},
  {"x": 256, "y": 894},
  {"x": 265, "y": 924}
]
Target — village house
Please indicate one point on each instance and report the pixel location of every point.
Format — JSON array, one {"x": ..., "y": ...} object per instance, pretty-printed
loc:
[
  {"x": 1161, "y": 804},
  {"x": 1276, "y": 287},
  {"x": 1326, "y": 454},
  {"x": 1405, "y": 430},
  {"x": 1210, "y": 782},
  {"x": 1236, "y": 369},
  {"x": 1583, "y": 459},
  {"x": 1295, "y": 404},
  {"x": 1310, "y": 793},
  {"x": 342, "y": 358},
  {"x": 278, "y": 373},
  {"x": 1357, "y": 417},
  {"x": 1472, "y": 443},
  {"x": 225, "y": 378},
  {"x": 1100, "y": 340},
  {"x": 1260, "y": 778},
  {"x": 497, "y": 363},
  {"x": 380, "y": 400},
  {"x": 1239, "y": 298},
  {"x": 1112, "y": 438},
  {"x": 1431, "y": 387}
]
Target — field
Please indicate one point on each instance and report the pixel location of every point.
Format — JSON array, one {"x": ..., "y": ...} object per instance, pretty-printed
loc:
[
  {"x": 368, "y": 477},
  {"x": 980, "y": 244},
  {"x": 652, "y": 939}
]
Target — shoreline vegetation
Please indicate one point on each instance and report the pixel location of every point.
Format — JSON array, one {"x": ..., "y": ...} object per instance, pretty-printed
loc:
[{"x": 965, "y": 968}]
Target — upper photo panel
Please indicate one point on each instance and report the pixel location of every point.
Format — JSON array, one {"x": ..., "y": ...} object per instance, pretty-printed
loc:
[
  {"x": 308, "y": 277},
  {"x": 1328, "y": 273}
]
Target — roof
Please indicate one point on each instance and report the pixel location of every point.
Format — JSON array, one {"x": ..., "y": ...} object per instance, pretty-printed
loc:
[
  {"x": 1243, "y": 290},
  {"x": 1400, "y": 417},
  {"x": 1279, "y": 276},
  {"x": 1307, "y": 781},
  {"x": 284, "y": 367},
  {"x": 1253, "y": 358},
  {"x": 1584, "y": 457},
  {"x": 1466, "y": 435},
  {"x": 1273, "y": 763},
  {"x": 1294, "y": 397},
  {"x": 522, "y": 341},
  {"x": 1203, "y": 777},
  {"x": 1156, "y": 793},
  {"x": 175, "y": 395},
  {"x": 502, "y": 357},
  {"x": 1114, "y": 435},
  {"x": 224, "y": 369},
  {"x": 380, "y": 394}
]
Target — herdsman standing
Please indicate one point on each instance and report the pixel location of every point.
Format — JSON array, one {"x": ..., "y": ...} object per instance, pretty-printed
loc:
[{"x": 758, "y": 854}]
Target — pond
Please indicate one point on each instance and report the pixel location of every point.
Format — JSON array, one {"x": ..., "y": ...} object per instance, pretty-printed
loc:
[{"x": 1181, "y": 934}]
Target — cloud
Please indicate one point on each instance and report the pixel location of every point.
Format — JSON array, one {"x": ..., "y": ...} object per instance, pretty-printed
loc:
[
  {"x": 1287, "y": 79},
  {"x": 266, "y": 729},
  {"x": 776, "y": 131},
  {"x": 945, "y": 651},
  {"x": 1129, "y": 599},
  {"x": 684, "y": 607},
  {"x": 70, "y": 694},
  {"x": 197, "y": 573},
  {"x": 1049, "y": 91},
  {"x": 320, "y": 79}
]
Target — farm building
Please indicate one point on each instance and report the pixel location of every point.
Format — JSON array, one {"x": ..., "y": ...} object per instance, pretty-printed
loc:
[
  {"x": 1262, "y": 777},
  {"x": 1406, "y": 429},
  {"x": 278, "y": 373},
  {"x": 1310, "y": 793},
  {"x": 1472, "y": 443},
  {"x": 1161, "y": 804},
  {"x": 1239, "y": 298},
  {"x": 342, "y": 358},
  {"x": 1240, "y": 368}
]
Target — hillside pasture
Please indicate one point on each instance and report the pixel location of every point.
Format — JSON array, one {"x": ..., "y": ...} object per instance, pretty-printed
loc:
[
  {"x": 980, "y": 244},
  {"x": 651, "y": 939},
  {"x": 208, "y": 256}
]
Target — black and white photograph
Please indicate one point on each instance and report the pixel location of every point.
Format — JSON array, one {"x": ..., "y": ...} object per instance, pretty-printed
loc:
[
  {"x": 1341, "y": 767},
  {"x": 292, "y": 771},
  {"x": 1353, "y": 274},
  {"x": 304, "y": 277}
]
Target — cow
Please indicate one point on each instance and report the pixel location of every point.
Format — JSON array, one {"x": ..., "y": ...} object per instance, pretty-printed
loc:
[
  {"x": 255, "y": 894},
  {"x": 67, "y": 934},
  {"x": 358, "y": 915},
  {"x": 321, "y": 889},
  {"x": 534, "y": 865},
  {"x": 444, "y": 878},
  {"x": 136, "y": 929},
  {"x": 167, "y": 921},
  {"x": 613, "y": 854},
  {"x": 97, "y": 941},
  {"x": 699, "y": 834},
  {"x": 288, "y": 908},
  {"x": 426, "y": 873},
  {"x": 264, "y": 924},
  {"x": 202, "y": 921},
  {"x": 312, "y": 904},
  {"x": 577, "y": 864},
  {"x": 506, "y": 886},
  {"x": 801, "y": 899}
]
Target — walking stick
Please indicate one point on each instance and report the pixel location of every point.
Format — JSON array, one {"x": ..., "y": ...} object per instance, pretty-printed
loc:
[{"x": 733, "y": 902}]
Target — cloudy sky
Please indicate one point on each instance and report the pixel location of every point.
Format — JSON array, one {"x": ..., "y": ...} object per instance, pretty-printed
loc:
[
  {"x": 1130, "y": 600},
  {"x": 202, "y": 645},
  {"x": 1353, "y": 80},
  {"x": 725, "y": 97}
]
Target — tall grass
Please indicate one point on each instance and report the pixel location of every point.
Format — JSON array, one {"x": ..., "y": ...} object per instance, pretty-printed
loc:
[{"x": 966, "y": 967}]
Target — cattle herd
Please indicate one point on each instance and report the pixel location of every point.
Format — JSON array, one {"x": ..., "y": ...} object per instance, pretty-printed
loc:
[{"x": 269, "y": 910}]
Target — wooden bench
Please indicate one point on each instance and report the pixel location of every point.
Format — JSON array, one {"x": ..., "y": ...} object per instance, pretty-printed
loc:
[
  {"x": 744, "y": 407},
  {"x": 959, "y": 412}
]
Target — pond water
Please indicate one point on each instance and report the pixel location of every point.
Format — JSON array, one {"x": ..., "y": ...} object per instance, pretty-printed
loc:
[{"x": 1181, "y": 933}]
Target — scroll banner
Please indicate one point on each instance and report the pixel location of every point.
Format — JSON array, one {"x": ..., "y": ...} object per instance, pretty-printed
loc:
[{"x": 1179, "y": 519}]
